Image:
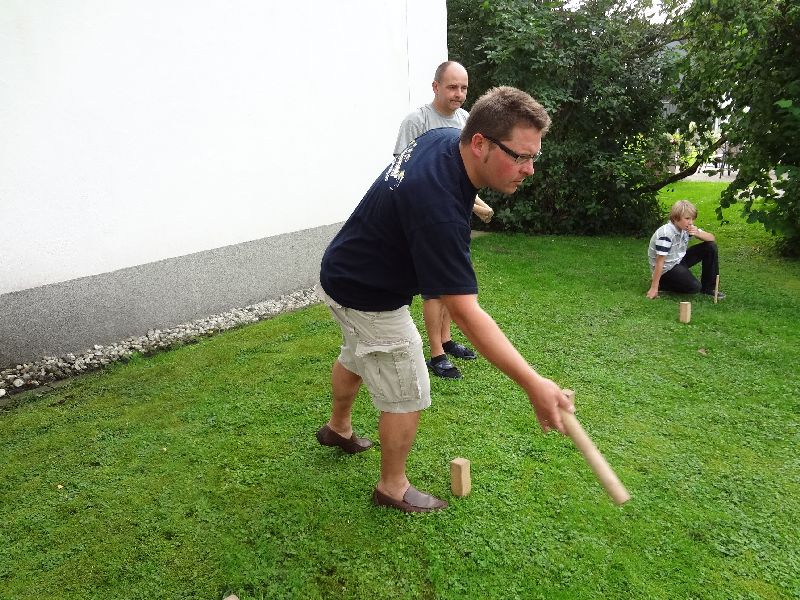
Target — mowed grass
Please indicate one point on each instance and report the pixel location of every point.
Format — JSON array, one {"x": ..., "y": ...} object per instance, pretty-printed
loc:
[{"x": 195, "y": 473}]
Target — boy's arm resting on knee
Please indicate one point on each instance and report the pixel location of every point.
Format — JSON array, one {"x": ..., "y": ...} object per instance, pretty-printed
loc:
[
  {"x": 658, "y": 270},
  {"x": 705, "y": 236},
  {"x": 481, "y": 330}
]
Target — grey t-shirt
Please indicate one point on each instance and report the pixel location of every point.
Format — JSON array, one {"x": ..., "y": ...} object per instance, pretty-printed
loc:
[{"x": 424, "y": 119}]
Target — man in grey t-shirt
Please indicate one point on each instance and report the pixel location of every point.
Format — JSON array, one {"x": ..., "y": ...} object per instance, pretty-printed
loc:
[
  {"x": 450, "y": 83},
  {"x": 449, "y": 93}
]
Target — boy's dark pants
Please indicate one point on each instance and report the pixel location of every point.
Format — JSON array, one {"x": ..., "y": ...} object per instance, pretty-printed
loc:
[{"x": 680, "y": 279}]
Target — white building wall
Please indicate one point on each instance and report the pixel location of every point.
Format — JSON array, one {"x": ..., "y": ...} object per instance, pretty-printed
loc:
[{"x": 134, "y": 131}]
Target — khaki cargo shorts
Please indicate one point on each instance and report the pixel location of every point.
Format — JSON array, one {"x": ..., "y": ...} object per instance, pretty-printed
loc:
[{"x": 385, "y": 349}]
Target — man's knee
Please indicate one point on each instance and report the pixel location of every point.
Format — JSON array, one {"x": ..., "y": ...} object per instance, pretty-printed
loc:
[
  {"x": 346, "y": 374},
  {"x": 344, "y": 382}
]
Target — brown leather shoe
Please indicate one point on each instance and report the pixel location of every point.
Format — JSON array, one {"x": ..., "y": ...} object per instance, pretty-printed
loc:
[
  {"x": 413, "y": 501},
  {"x": 328, "y": 437}
]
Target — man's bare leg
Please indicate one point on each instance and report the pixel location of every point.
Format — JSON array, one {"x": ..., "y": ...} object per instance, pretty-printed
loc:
[
  {"x": 437, "y": 324},
  {"x": 397, "y": 432},
  {"x": 432, "y": 313},
  {"x": 345, "y": 385},
  {"x": 445, "y": 335}
]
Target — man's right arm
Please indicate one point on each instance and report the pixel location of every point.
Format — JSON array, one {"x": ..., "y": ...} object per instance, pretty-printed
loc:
[{"x": 481, "y": 330}]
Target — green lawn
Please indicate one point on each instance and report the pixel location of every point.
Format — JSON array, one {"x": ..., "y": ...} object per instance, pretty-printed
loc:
[{"x": 195, "y": 473}]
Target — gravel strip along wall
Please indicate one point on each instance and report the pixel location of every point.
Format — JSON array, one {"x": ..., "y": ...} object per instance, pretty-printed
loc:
[{"x": 50, "y": 368}]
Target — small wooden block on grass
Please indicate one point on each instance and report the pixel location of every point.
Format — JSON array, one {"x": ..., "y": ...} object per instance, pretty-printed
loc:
[
  {"x": 460, "y": 481},
  {"x": 686, "y": 312}
]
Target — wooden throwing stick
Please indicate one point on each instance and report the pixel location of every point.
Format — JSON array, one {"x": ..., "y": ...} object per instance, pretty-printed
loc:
[{"x": 605, "y": 475}]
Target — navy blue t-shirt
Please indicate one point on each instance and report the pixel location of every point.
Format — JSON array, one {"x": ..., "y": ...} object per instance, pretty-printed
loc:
[{"x": 410, "y": 234}]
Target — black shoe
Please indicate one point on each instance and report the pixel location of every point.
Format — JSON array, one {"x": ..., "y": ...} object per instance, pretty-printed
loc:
[
  {"x": 720, "y": 295},
  {"x": 459, "y": 350},
  {"x": 444, "y": 368}
]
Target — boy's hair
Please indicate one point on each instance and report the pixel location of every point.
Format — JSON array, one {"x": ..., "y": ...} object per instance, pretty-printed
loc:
[
  {"x": 501, "y": 109},
  {"x": 682, "y": 208}
]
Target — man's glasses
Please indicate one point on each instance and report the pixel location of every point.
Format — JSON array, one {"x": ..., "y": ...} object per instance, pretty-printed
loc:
[{"x": 520, "y": 159}]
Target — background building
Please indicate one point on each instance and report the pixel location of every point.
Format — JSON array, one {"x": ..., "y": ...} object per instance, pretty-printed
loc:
[{"x": 163, "y": 161}]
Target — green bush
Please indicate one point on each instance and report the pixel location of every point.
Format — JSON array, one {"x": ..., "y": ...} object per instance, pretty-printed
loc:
[{"x": 602, "y": 71}]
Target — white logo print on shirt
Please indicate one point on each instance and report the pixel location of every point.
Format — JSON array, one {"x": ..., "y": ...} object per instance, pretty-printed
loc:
[{"x": 394, "y": 171}]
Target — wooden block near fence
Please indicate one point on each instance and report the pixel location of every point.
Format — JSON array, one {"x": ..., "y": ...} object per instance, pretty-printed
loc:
[{"x": 460, "y": 481}]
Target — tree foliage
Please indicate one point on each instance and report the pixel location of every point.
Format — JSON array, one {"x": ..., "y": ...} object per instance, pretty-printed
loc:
[
  {"x": 602, "y": 70},
  {"x": 741, "y": 67}
]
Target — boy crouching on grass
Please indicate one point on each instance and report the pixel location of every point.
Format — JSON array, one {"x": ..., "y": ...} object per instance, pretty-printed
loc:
[{"x": 671, "y": 258}]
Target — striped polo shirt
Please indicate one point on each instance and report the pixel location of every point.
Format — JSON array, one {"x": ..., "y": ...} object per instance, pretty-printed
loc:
[{"x": 668, "y": 241}]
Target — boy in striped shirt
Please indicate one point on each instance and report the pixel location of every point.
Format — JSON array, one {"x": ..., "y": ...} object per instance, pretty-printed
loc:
[{"x": 671, "y": 258}]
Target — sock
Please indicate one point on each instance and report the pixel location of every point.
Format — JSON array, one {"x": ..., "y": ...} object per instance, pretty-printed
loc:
[{"x": 448, "y": 345}]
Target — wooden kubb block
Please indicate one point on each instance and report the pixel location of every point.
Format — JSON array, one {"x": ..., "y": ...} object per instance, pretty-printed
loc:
[
  {"x": 460, "y": 481},
  {"x": 686, "y": 312}
]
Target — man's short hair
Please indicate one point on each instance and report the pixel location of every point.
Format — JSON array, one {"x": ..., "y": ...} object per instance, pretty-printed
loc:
[
  {"x": 437, "y": 76},
  {"x": 501, "y": 109},
  {"x": 682, "y": 208}
]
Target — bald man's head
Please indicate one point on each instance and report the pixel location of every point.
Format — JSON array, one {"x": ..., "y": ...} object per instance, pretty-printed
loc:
[{"x": 450, "y": 84}]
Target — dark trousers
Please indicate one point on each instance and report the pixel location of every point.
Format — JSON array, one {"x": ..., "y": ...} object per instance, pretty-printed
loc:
[{"x": 681, "y": 280}]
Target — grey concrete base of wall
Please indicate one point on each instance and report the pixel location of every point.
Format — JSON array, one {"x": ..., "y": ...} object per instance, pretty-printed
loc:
[{"x": 72, "y": 316}]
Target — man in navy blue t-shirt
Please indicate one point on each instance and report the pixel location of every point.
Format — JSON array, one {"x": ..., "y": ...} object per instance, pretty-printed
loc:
[{"x": 409, "y": 235}]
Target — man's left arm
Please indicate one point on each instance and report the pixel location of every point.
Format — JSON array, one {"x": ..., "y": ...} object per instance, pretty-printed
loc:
[{"x": 545, "y": 396}]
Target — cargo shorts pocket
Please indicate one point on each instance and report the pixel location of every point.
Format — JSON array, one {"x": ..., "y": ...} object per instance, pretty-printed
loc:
[{"x": 390, "y": 372}]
